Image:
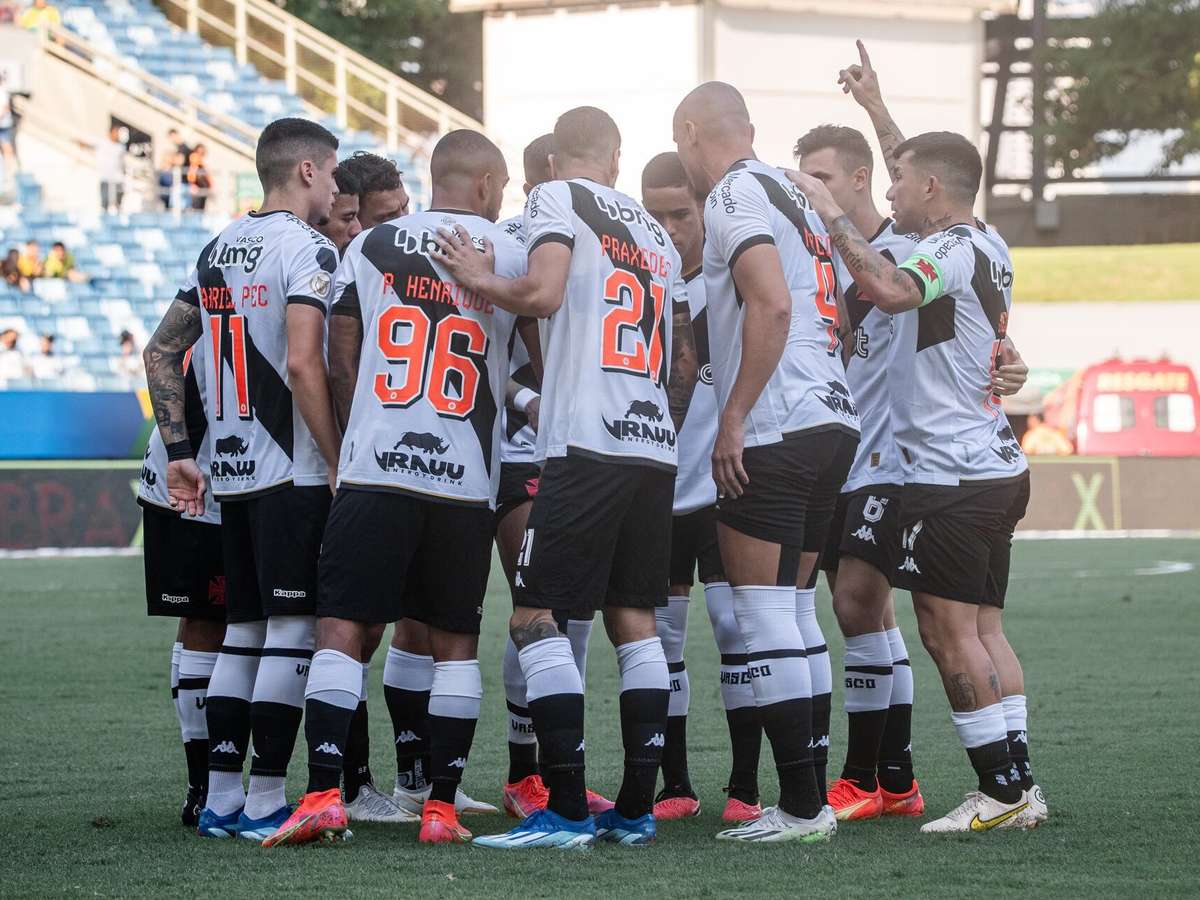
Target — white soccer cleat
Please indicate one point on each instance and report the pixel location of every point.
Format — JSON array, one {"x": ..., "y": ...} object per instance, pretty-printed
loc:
[
  {"x": 775, "y": 826},
  {"x": 1037, "y": 804},
  {"x": 414, "y": 802},
  {"x": 979, "y": 812},
  {"x": 372, "y": 806}
]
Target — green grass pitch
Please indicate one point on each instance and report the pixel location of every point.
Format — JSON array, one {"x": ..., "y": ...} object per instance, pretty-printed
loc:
[{"x": 91, "y": 771}]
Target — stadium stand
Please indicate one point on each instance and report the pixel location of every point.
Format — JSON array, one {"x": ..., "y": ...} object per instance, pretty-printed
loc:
[{"x": 134, "y": 263}]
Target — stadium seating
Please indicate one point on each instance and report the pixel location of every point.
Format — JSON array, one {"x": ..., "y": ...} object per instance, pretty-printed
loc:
[
  {"x": 136, "y": 263},
  {"x": 139, "y": 33}
]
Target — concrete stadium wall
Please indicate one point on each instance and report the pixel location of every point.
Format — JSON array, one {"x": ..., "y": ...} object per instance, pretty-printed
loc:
[{"x": 1087, "y": 219}]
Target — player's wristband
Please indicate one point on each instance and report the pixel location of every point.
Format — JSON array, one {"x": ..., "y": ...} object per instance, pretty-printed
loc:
[
  {"x": 524, "y": 397},
  {"x": 180, "y": 450}
]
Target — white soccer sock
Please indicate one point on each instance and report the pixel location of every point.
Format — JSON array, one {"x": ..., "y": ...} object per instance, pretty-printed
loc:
[
  {"x": 902, "y": 679},
  {"x": 868, "y": 686},
  {"x": 736, "y": 690},
  {"x": 1015, "y": 714},
  {"x": 579, "y": 633},
  {"x": 282, "y": 676},
  {"x": 670, "y": 623},
  {"x": 548, "y": 666},
  {"x": 195, "y": 676},
  {"x": 814, "y": 641},
  {"x": 978, "y": 727},
  {"x": 520, "y": 725},
  {"x": 233, "y": 678},
  {"x": 334, "y": 678},
  {"x": 457, "y": 689},
  {"x": 642, "y": 665},
  {"x": 766, "y": 617},
  {"x": 176, "y": 649}
]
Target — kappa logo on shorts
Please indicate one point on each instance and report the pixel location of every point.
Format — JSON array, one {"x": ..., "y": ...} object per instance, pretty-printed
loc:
[
  {"x": 175, "y": 598},
  {"x": 283, "y": 594},
  {"x": 908, "y": 541},
  {"x": 865, "y": 534}
]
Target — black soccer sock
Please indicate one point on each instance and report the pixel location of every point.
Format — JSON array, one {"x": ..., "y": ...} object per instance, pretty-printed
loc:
[
  {"x": 895, "y": 770},
  {"x": 522, "y": 742},
  {"x": 982, "y": 732},
  {"x": 1015, "y": 717},
  {"x": 227, "y": 714},
  {"x": 277, "y": 709},
  {"x": 821, "y": 675},
  {"x": 676, "y": 780},
  {"x": 745, "y": 738},
  {"x": 454, "y": 701},
  {"x": 330, "y": 703},
  {"x": 356, "y": 768},
  {"x": 867, "y": 669},
  {"x": 645, "y": 697},
  {"x": 554, "y": 693},
  {"x": 407, "y": 679}
]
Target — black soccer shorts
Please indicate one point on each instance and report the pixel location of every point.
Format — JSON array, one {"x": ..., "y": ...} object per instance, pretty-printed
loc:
[
  {"x": 793, "y": 488},
  {"x": 694, "y": 546},
  {"x": 272, "y": 543},
  {"x": 599, "y": 534},
  {"x": 518, "y": 485},
  {"x": 185, "y": 570},
  {"x": 956, "y": 540},
  {"x": 864, "y": 526},
  {"x": 392, "y": 555}
]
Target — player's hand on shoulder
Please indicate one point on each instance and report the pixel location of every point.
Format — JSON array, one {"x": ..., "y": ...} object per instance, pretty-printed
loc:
[
  {"x": 861, "y": 81},
  {"x": 458, "y": 253},
  {"x": 727, "y": 457},
  {"x": 185, "y": 487}
]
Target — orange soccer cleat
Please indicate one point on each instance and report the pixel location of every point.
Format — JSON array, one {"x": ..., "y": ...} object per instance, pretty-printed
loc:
[
  {"x": 668, "y": 808},
  {"x": 910, "y": 803},
  {"x": 597, "y": 804},
  {"x": 740, "y": 811},
  {"x": 439, "y": 825},
  {"x": 851, "y": 802},
  {"x": 319, "y": 817},
  {"x": 525, "y": 797}
]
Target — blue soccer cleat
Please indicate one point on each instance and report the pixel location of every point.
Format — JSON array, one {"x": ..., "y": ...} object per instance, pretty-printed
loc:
[
  {"x": 613, "y": 828},
  {"x": 544, "y": 828},
  {"x": 259, "y": 829},
  {"x": 215, "y": 826}
]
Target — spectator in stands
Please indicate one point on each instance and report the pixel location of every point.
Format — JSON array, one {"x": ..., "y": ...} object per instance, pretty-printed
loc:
[
  {"x": 45, "y": 366},
  {"x": 110, "y": 164},
  {"x": 129, "y": 361},
  {"x": 61, "y": 264},
  {"x": 12, "y": 361},
  {"x": 199, "y": 182},
  {"x": 11, "y": 270},
  {"x": 30, "y": 263},
  {"x": 41, "y": 15},
  {"x": 172, "y": 165}
]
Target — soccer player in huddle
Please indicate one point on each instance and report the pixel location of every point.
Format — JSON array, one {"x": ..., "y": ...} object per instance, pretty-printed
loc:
[
  {"x": 786, "y": 436},
  {"x": 966, "y": 482},
  {"x": 524, "y": 791},
  {"x": 185, "y": 578},
  {"x": 669, "y": 197},
  {"x": 257, "y": 299},
  {"x": 418, "y": 474},
  {"x": 607, "y": 280}
]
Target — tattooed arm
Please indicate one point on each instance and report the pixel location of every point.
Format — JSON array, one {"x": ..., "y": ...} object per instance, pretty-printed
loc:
[
  {"x": 862, "y": 82},
  {"x": 878, "y": 279},
  {"x": 685, "y": 363},
  {"x": 163, "y": 356}
]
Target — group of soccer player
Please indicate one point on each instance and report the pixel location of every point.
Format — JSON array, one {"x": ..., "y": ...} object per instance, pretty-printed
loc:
[{"x": 750, "y": 376}]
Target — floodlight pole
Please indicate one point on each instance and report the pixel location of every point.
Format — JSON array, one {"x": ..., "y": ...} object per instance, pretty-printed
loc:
[{"x": 1038, "y": 73}]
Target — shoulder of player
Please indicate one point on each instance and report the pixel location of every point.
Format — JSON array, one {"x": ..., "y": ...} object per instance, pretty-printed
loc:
[
  {"x": 941, "y": 245},
  {"x": 735, "y": 187}
]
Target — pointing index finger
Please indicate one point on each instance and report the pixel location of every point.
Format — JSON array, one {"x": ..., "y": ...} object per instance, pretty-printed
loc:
[{"x": 862, "y": 55}]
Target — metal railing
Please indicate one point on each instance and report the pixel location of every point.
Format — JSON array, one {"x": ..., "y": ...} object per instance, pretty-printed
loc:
[
  {"x": 329, "y": 76},
  {"x": 191, "y": 113}
]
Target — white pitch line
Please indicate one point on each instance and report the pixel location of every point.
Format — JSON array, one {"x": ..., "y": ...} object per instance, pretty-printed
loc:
[
  {"x": 69, "y": 552},
  {"x": 1067, "y": 535}
]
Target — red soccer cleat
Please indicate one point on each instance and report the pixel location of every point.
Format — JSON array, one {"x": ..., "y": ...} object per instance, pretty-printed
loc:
[
  {"x": 851, "y": 802},
  {"x": 669, "y": 808},
  {"x": 439, "y": 825},
  {"x": 525, "y": 797},
  {"x": 597, "y": 804},
  {"x": 319, "y": 817},
  {"x": 910, "y": 803},
  {"x": 740, "y": 811}
]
